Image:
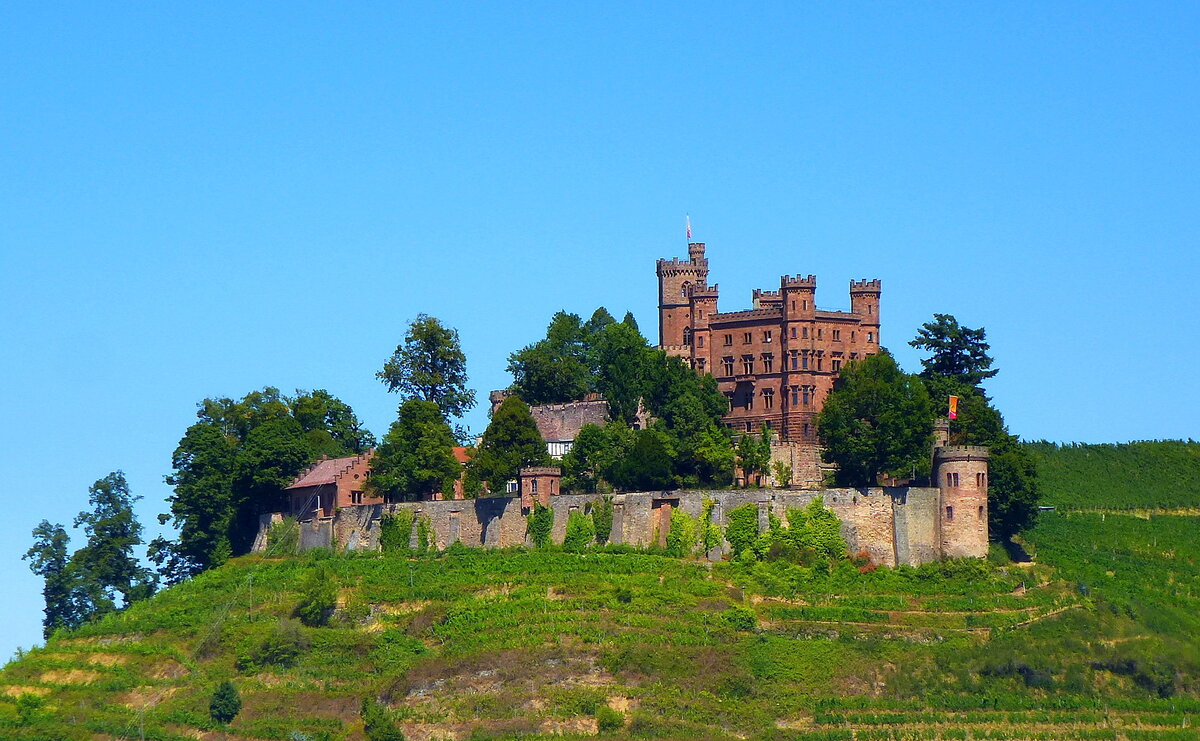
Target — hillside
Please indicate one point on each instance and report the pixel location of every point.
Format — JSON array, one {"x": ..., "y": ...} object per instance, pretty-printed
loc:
[
  {"x": 1156, "y": 474},
  {"x": 1100, "y": 639}
]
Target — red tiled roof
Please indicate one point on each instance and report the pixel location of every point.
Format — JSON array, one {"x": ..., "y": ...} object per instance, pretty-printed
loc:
[
  {"x": 460, "y": 455},
  {"x": 322, "y": 472}
]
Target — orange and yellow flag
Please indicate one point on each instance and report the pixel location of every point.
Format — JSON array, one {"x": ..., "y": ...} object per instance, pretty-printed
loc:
[{"x": 953, "y": 407}]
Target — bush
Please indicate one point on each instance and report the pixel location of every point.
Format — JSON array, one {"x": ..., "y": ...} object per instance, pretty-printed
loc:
[
  {"x": 740, "y": 618},
  {"x": 742, "y": 530},
  {"x": 395, "y": 532},
  {"x": 283, "y": 537},
  {"x": 318, "y": 598},
  {"x": 281, "y": 647},
  {"x": 425, "y": 539},
  {"x": 602, "y": 518},
  {"x": 540, "y": 522},
  {"x": 580, "y": 532},
  {"x": 377, "y": 722},
  {"x": 608, "y": 720},
  {"x": 226, "y": 703},
  {"x": 681, "y": 538}
]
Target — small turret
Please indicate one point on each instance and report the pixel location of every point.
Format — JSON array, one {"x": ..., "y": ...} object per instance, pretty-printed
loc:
[
  {"x": 696, "y": 251},
  {"x": 961, "y": 472}
]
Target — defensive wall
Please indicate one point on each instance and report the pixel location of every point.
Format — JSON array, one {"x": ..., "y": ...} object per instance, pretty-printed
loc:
[{"x": 895, "y": 525}]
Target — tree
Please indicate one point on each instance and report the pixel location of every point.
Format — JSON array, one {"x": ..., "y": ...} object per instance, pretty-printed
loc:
[
  {"x": 318, "y": 598},
  {"x": 233, "y": 464},
  {"x": 48, "y": 559},
  {"x": 754, "y": 453},
  {"x": 377, "y": 722},
  {"x": 648, "y": 464},
  {"x": 688, "y": 409},
  {"x": 416, "y": 457},
  {"x": 226, "y": 703},
  {"x": 958, "y": 365},
  {"x": 589, "y": 464},
  {"x": 555, "y": 369},
  {"x": 619, "y": 354},
  {"x": 510, "y": 442},
  {"x": 430, "y": 365},
  {"x": 106, "y": 563},
  {"x": 958, "y": 352},
  {"x": 876, "y": 420}
]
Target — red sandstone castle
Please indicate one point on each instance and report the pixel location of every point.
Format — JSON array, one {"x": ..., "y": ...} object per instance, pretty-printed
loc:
[{"x": 776, "y": 361}]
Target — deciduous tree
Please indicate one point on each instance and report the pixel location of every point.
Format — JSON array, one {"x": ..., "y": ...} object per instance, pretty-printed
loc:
[
  {"x": 510, "y": 442},
  {"x": 430, "y": 365},
  {"x": 416, "y": 457}
]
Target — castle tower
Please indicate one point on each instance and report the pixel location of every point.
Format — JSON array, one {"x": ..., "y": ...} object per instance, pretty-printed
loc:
[
  {"x": 674, "y": 278},
  {"x": 864, "y": 301},
  {"x": 961, "y": 472}
]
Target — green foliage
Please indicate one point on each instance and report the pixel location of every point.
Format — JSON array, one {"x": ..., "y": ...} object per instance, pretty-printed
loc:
[
  {"x": 226, "y": 702},
  {"x": 539, "y": 523},
  {"x": 648, "y": 464},
  {"x": 688, "y": 409},
  {"x": 683, "y": 535},
  {"x": 580, "y": 532},
  {"x": 416, "y": 458},
  {"x": 62, "y": 593},
  {"x": 106, "y": 563},
  {"x": 233, "y": 464},
  {"x": 377, "y": 722},
  {"x": 280, "y": 646},
  {"x": 430, "y": 365},
  {"x": 958, "y": 353},
  {"x": 591, "y": 462},
  {"x": 711, "y": 535},
  {"x": 602, "y": 518},
  {"x": 783, "y": 474},
  {"x": 395, "y": 531},
  {"x": 555, "y": 369},
  {"x": 754, "y": 453},
  {"x": 815, "y": 528},
  {"x": 740, "y": 618},
  {"x": 510, "y": 442},
  {"x": 283, "y": 537},
  {"x": 318, "y": 597},
  {"x": 1152, "y": 474},
  {"x": 741, "y": 528},
  {"x": 608, "y": 720},
  {"x": 425, "y": 536},
  {"x": 877, "y": 420}
]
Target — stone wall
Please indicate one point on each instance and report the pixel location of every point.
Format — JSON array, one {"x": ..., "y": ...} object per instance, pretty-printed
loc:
[{"x": 896, "y": 525}]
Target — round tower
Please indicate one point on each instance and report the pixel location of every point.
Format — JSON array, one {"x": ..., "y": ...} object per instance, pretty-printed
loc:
[{"x": 961, "y": 472}]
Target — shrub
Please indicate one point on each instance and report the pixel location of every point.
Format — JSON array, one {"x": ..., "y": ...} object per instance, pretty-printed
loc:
[
  {"x": 742, "y": 530},
  {"x": 681, "y": 538},
  {"x": 540, "y": 522},
  {"x": 281, "y": 647},
  {"x": 740, "y": 618},
  {"x": 425, "y": 539},
  {"x": 226, "y": 703},
  {"x": 711, "y": 535},
  {"x": 318, "y": 598},
  {"x": 377, "y": 722},
  {"x": 580, "y": 532},
  {"x": 283, "y": 537},
  {"x": 395, "y": 532},
  {"x": 608, "y": 720},
  {"x": 602, "y": 518}
]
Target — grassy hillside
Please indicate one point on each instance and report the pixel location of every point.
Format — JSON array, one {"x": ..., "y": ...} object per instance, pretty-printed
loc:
[
  {"x": 1099, "y": 640},
  {"x": 1159, "y": 474}
]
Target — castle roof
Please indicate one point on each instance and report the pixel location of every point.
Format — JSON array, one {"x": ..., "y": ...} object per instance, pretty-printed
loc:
[{"x": 325, "y": 471}]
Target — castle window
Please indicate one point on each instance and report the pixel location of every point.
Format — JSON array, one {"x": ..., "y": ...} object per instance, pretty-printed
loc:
[
  {"x": 805, "y": 435},
  {"x": 805, "y": 306},
  {"x": 852, "y": 336},
  {"x": 795, "y": 395},
  {"x": 729, "y": 397},
  {"x": 747, "y": 338},
  {"x": 687, "y": 336},
  {"x": 768, "y": 363},
  {"x": 728, "y": 339},
  {"x": 700, "y": 362},
  {"x": 768, "y": 398},
  {"x": 806, "y": 333},
  {"x": 837, "y": 365},
  {"x": 804, "y": 359},
  {"x": 793, "y": 332},
  {"x": 837, "y": 335},
  {"x": 949, "y": 512},
  {"x": 728, "y": 363},
  {"x": 356, "y": 497},
  {"x": 818, "y": 333},
  {"x": 981, "y": 513},
  {"x": 951, "y": 479},
  {"x": 793, "y": 307},
  {"x": 683, "y": 289},
  {"x": 748, "y": 365},
  {"x": 533, "y": 486},
  {"x": 870, "y": 336},
  {"x": 795, "y": 359},
  {"x": 820, "y": 361},
  {"x": 767, "y": 336},
  {"x": 699, "y": 340},
  {"x": 853, "y": 355},
  {"x": 807, "y": 395},
  {"x": 749, "y": 426}
]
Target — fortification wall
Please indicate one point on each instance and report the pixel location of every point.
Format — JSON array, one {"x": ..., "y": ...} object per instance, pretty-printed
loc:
[{"x": 897, "y": 525}]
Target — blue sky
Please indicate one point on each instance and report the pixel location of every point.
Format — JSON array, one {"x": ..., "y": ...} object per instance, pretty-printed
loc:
[{"x": 202, "y": 199}]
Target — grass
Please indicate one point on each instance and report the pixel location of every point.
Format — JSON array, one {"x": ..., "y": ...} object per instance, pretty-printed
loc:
[
  {"x": 1148, "y": 475},
  {"x": 1099, "y": 639}
]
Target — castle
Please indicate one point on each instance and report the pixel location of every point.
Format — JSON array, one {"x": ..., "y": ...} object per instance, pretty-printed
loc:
[{"x": 775, "y": 362}]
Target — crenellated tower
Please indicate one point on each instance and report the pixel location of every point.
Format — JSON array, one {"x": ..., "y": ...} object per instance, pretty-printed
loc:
[
  {"x": 961, "y": 472},
  {"x": 675, "y": 277}
]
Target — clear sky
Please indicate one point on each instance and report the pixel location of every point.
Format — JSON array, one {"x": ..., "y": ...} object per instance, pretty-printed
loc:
[{"x": 200, "y": 199}]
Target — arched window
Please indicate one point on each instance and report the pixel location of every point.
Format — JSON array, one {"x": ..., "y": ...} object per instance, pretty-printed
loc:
[
  {"x": 683, "y": 289},
  {"x": 687, "y": 336}
]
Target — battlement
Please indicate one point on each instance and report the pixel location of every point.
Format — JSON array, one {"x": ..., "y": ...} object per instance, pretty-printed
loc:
[
  {"x": 961, "y": 453},
  {"x": 677, "y": 266},
  {"x": 773, "y": 311},
  {"x": 866, "y": 286},
  {"x": 760, "y": 297},
  {"x": 698, "y": 291},
  {"x": 798, "y": 281}
]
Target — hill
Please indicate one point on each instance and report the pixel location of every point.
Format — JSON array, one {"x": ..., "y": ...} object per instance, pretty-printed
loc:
[
  {"x": 1100, "y": 639},
  {"x": 1155, "y": 474}
]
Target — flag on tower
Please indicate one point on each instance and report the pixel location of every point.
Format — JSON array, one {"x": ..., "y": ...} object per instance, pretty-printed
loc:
[
  {"x": 688, "y": 218},
  {"x": 953, "y": 407}
]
